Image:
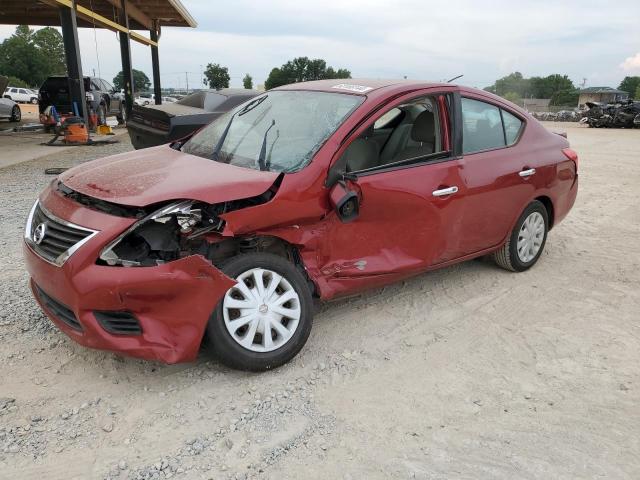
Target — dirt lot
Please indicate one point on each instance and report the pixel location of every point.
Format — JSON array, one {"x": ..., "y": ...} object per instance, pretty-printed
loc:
[{"x": 469, "y": 372}]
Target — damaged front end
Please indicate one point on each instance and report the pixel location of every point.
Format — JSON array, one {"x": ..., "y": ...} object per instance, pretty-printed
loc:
[
  {"x": 175, "y": 231},
  {"x": 166, "y": 235}
]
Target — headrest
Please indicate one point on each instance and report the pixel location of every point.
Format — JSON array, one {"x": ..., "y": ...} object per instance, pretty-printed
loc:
[{"x": 423, "y": 129}]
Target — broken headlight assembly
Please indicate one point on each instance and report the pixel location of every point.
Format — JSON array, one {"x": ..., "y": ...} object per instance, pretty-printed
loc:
[{"x": 162, "y": 236}]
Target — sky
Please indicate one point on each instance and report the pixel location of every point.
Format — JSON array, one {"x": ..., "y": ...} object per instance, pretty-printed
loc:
[{"x": 430, "y": 40}]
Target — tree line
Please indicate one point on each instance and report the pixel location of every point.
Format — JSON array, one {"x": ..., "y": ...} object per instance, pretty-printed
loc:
[
  {"x": 29, "y": 56},
  {"x": 559, "y": 88},
  {"x": 300, "y": 69}
]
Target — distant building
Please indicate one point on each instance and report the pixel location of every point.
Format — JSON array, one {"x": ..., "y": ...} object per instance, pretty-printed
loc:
[
  {"x": 602, "y": 95},
  {"x": 536, "y": 104}
]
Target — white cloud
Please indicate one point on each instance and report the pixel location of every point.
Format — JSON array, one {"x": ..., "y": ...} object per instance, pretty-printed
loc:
[{"x": 631, "y": 64}]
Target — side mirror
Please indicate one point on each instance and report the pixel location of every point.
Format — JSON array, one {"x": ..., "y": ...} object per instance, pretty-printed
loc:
[{"x": 345, "y": 202}]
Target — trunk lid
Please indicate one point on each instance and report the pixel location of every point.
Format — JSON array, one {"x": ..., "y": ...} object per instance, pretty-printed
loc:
[{"x": 152, "y": 175}]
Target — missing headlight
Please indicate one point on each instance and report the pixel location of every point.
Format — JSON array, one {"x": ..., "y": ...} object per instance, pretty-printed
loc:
[{"x": 164, "y": 235}]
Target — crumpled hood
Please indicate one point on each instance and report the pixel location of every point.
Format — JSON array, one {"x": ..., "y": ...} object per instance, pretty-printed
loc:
[{"x": 152, "y": 175}]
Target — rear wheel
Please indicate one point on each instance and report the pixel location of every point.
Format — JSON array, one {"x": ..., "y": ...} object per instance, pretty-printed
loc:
[
  {"x": 16, "y": 114},
  {"x": 526, "y": 242},
  {"x": 265, "y": 319},
  {"x": 34, "y": 100}
]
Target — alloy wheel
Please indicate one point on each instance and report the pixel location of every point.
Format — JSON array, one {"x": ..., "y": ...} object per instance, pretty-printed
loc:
[
  {"x": 530, "y": 237},
  {"x": 262, "y": 311}
]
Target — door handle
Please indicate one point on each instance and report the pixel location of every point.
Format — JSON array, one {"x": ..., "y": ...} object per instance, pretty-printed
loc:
[
  {"x": 445, "y": 191},
  {"x": 527, "y": 173}
]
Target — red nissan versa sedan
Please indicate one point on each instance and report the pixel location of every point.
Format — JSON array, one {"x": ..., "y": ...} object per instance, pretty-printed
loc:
[{"x": 316, "y": 189}]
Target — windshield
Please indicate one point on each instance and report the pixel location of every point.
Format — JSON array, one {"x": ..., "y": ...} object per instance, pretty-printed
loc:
[{"x": 278, "y": 131}]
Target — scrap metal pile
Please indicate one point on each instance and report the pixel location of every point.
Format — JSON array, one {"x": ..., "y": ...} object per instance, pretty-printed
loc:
[
  {"x": 561, "y": 116},
  {"x": 612, "y": 115}
]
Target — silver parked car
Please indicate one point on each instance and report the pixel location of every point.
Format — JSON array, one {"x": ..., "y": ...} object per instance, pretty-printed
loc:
[{"x": 8, "y": 108}]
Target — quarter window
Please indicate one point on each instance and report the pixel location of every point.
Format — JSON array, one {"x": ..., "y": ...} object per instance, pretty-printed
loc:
[
  {"x": 486, "y": 127},
  {"x": 512, "y": 126}
]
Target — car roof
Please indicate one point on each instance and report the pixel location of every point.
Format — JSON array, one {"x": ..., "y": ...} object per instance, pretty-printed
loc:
[{"x": 358, "y": 86}]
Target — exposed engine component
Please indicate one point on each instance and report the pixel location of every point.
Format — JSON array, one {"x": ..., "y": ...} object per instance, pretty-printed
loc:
[{"x": 177, "y": 230}]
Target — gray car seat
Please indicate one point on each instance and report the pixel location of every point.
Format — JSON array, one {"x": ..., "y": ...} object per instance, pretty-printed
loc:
[{"x": 422, "y": 138}]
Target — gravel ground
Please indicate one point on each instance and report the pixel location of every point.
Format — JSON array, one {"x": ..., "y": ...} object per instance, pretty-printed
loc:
[{"x": 469, "y": 372}]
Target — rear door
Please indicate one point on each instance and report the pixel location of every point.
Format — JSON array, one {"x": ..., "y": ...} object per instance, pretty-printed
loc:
[{"x": 498, "y": 179}]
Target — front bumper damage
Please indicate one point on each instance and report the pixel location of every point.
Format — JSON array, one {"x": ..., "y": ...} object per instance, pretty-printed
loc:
[{"x": 172, "y": 303}]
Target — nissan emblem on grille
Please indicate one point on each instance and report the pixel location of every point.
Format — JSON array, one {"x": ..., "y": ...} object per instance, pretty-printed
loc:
[{"x": 39, "y": 233}]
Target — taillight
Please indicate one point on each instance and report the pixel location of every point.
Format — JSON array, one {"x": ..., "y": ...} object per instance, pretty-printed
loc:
[{"x": 571, "y": 155}]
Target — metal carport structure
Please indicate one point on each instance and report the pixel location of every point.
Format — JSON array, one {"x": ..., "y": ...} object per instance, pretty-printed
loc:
[{"x": 121, "y": 16}]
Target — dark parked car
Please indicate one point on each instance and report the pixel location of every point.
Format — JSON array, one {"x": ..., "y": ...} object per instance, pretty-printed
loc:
[
  {"x": 101, "y": 96},
  {"x": 8, "y": 108},
  {"x": 157, "y": 124},
  {"x": 317, "y": 189}
]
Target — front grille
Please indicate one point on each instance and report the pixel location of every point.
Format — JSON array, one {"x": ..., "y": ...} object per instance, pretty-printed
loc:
[
  {"x": 119, "y": 323},
  {"x": 60, "y": 311},
  {"x": 52, "y": 238}
]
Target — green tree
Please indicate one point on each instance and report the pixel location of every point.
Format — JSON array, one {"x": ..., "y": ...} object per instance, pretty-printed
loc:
[
  {"x": 216, "y": 76},
  {"x": 303, "y": 69},
  {"x": 512, "y": 97},
  {"x": 559, "y": 88},
  {"x": 32, "y": 55},
  {"x": 50, "y": 43},
  {"x": 141, "y": 82},
  {"x": 17, "y": 82},
  {"x": 630, "y": 85},
  {"x": 512, "y": 83},
  {"x": 247, "y": 81},
  {"x": 637, "y": 94}
]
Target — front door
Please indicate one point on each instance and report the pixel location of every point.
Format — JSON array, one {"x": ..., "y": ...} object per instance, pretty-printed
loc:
[{"x": 411, "y": 201}]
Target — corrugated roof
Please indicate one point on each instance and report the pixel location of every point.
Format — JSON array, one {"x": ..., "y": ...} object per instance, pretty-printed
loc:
[
  {"x": 168, "y": 13},
  {"x": 601, "y": 90}
]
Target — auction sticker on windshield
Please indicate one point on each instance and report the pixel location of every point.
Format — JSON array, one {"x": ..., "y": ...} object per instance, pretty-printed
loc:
[{"x": 353, "y": 88}]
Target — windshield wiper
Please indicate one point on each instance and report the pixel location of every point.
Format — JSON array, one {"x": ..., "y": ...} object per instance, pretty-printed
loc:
[
  {"x": 263, "y": 150},
  {"x": 247, "y": 108}
]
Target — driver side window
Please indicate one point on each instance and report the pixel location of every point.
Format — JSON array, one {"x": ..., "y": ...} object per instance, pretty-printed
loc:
[{"x": 398, "y": 135}]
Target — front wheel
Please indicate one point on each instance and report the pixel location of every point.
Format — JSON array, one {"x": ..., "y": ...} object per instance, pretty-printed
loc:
[
  {"x": 16, "y": 114},
  {"x": 265, "y": 319},
  {"x": 526, "y": 242}
]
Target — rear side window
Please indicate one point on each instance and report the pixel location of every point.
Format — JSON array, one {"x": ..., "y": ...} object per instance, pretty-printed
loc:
[
  {"x": 481, "y": 126},
  {"x": 486, "y": 127},
  {"x": 512, "y": 126}
]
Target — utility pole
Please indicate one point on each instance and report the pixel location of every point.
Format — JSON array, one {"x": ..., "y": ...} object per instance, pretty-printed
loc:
[{"x": 186, "y": 76}]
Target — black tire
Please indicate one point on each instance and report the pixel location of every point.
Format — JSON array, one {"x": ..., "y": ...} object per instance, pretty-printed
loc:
[
  {"x": 102, "y": 114},
  {"x": 34, "y": 101},
  {"x": 507, "y": 256},
  {"x": 231, "y": 353},
  {"x": 16, "y": 114}
]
